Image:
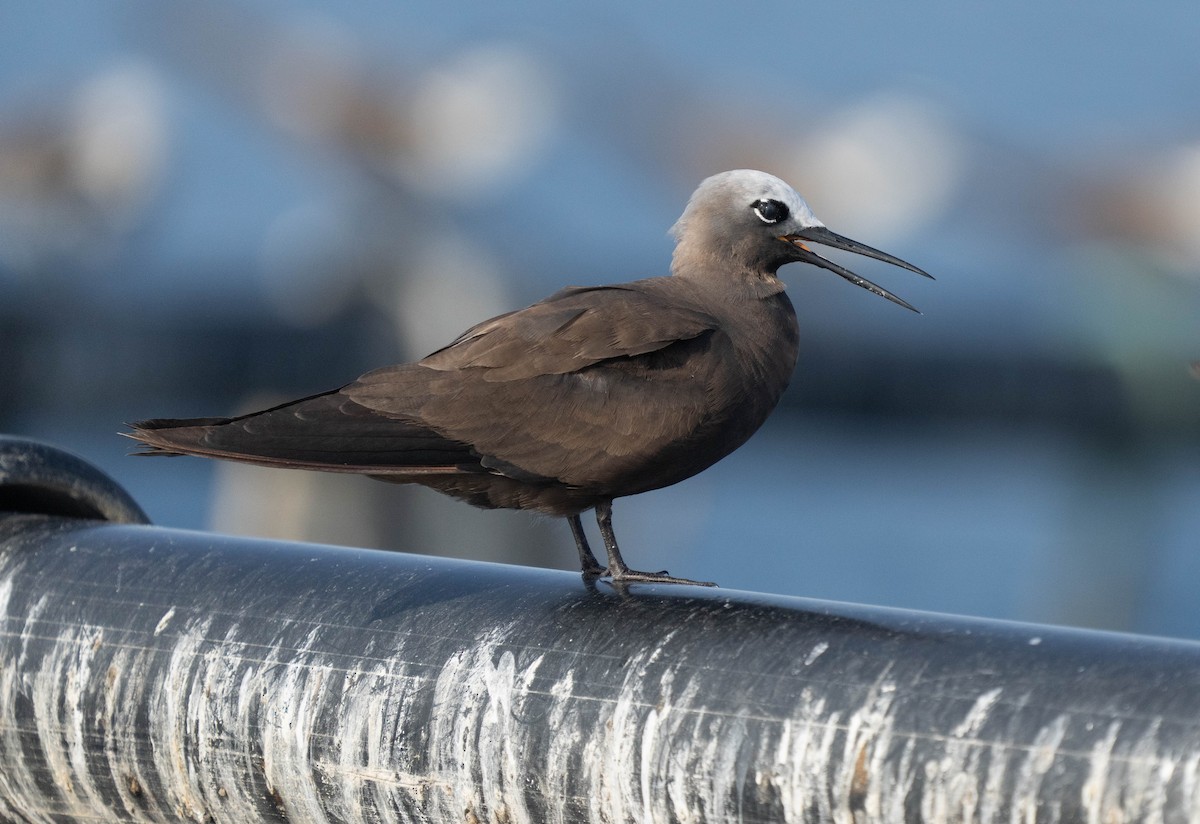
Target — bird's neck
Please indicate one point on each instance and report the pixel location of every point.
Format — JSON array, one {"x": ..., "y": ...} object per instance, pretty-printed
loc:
[{"x": 743, "y": 281}]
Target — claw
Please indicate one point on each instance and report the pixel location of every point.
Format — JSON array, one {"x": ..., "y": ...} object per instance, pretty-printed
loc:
[{"x": 633, "y": 576}]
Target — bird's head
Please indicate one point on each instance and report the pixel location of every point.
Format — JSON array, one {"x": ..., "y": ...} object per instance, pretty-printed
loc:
[{"x": 754, "y": 222}]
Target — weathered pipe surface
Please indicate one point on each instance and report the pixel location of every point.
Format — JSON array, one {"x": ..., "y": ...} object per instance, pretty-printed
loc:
[{"x": 158, "y": 675}]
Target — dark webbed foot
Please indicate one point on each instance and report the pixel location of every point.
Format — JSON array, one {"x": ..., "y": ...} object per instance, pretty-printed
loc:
[{"x": 617, "y": 570}]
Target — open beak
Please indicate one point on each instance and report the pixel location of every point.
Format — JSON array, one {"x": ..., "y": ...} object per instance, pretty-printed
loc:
[{"x": 821, "y": 235}]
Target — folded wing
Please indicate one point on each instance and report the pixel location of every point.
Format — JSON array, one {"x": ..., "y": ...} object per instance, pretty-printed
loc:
[{"x": 578, "y": 389}]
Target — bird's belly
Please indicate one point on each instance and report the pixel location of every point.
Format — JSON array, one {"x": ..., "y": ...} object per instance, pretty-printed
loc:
[{"x": 718, "y": 430}]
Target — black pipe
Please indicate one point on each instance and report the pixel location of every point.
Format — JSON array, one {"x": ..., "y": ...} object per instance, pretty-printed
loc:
[
  {"x": 38, "y": 478},
  {"x": 164, "y": 675}
]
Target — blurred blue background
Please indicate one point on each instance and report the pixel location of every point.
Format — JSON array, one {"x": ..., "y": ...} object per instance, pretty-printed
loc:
[{"x": 205, "y": 208}]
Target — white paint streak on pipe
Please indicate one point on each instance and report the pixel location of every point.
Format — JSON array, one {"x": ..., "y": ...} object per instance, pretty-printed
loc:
[
  {"x": 562, "y": 750},
  {"x": 994, "y": 799},
  {"x": 164, "y": 622},
  {"x": 1153, "y": 773},
  {"x": 372, "y": 767},
  {"x": 171, "y": 736},
  {"x": 801, "y": 756},
  {"x": 1190, "y": 784},
  {"x": 952, "y": 791},
  {"x": 977, "y": 716},
  {"x": 288, "y": 684},
  {"x": 688, "y": 743},
  {"x": 896, "y": 797},
  {"x": 664, "y": 769},
  {"x": 503, "y": 728},
  {"x": 1037, "y": 761},
  {"x": 46, "y": 695},
  {"x": 451, "y": 736},
  {"x": 724, "y": 754},
  {"x": 361, "y": 728},
  {"x": 614, "y": 765},
  {"x": 77, "y": 680},
  {"x": 1097, "y": 783},
  {"x": 612, "y": 781},
  {"x": 816, "y": 652},
  {"x": 1142, "y": 798},
  {"x": 374, "y": 703},
  {"x": 859, "y": 776},
  {"x": 220, "y": 715},
  {"x": 646, "y": 772},
  {"x": 17, "y": 782},
  {"x": 477, "y": 742},
  {"x": 125, "y": 682}
]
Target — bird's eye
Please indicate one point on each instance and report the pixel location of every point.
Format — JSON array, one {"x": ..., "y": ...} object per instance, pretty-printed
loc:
[{"x": 770, "y": 211}]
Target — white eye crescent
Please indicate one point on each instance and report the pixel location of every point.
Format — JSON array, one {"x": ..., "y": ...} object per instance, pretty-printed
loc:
[{"x": 770, "y": 211}]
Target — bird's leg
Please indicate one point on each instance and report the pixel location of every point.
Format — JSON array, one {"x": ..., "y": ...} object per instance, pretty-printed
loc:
[
  {"x": 617, "y": 569},
  {"x": 587, "y": 561}
]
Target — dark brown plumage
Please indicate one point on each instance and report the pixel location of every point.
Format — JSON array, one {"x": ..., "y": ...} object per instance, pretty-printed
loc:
[{"x": 589, "y": 395}]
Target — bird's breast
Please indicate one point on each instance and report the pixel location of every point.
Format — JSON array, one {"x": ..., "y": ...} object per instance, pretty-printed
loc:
[
  {"x": 764, "y": 343},
  {"x": 731, "y": 390}
]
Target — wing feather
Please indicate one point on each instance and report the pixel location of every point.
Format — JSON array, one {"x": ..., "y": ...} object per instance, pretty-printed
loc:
[
  {"x": 570, "y": 330},
  {"x": 589, "y": 387}
]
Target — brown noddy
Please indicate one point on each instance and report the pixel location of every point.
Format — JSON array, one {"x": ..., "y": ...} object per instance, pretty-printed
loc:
[{"x": 592, "y": 394}]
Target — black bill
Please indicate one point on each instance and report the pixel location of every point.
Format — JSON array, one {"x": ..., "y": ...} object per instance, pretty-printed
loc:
[{"x": 821, "y": 235}]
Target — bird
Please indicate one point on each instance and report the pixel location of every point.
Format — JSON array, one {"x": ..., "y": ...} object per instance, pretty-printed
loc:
[{"x": 592, "y": 394}]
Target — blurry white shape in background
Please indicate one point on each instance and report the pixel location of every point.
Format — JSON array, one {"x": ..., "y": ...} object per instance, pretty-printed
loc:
[
  {"x": 311, "y": 77},
  {"x": 884, "y": 167},
  {"x": 447, "y": 284},
  {"x": 432, "y": 283},
  {"x": 77, "y": 171},
  {"x": 478, "y": 119},
  {"x": 1174, "y": 188},
  {"x": 119, "y": 139},
  {"x": 1146, "y": 203},
  {"x": 293, "y": 505},
  {"x": 452, "y": 131}
]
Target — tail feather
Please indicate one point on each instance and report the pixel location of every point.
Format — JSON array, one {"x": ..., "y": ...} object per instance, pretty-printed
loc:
[
  {"x": 151, "y": 440},
  {"x": 327, "y": 432}
]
